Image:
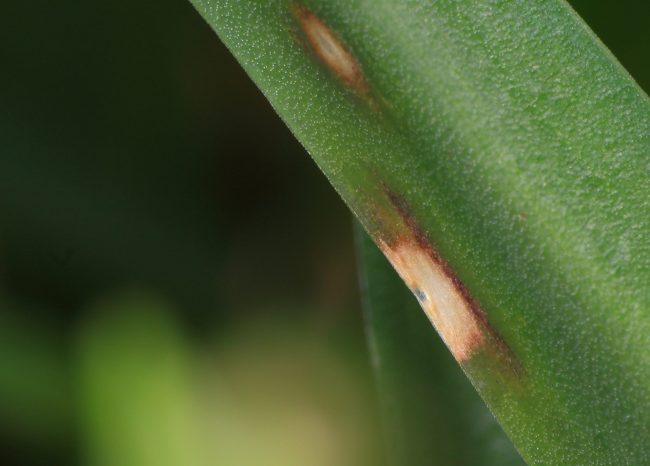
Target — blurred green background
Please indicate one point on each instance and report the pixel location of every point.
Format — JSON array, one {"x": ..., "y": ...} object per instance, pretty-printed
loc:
[{"x": 177, "y": 278}]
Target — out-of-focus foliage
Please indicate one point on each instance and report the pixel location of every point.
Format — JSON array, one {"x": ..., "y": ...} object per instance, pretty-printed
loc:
[
  {"x": 35, "y": 378},
  {"x": 129, "y": 158},
  {"x": 274, "y": 392}
]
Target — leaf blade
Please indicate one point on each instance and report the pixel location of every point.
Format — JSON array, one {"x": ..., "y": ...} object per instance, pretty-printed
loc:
[{"x": 508, "y": 150}]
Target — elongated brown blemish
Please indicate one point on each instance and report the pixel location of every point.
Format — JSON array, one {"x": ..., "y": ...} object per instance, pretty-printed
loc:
[
  {"x": 331, "y": 50},
  {"x": 446, "y": 308},
  {"x": 455, "y": 314}
]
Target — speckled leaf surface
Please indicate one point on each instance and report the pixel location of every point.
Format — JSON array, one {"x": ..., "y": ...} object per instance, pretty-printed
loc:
[{"x": 499, "y": 156}]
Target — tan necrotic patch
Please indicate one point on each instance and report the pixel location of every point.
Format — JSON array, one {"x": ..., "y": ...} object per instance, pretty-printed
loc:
[
  {"x": 330, "y": 50},
  {"x": 443, "y": 302}
]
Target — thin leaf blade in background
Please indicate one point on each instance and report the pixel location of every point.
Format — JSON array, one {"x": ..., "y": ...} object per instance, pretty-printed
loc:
[{"x": 431, "y": 413}]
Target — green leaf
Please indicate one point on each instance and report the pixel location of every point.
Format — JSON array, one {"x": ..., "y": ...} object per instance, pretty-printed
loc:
[{"x": 498, "y": 155}]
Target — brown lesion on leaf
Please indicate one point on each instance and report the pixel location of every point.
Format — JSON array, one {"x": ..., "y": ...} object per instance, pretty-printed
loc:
[
  {"x": 446, "y": 308},
  {"x": 331, "y": 51},
  {"x": 456, "y": 315}
]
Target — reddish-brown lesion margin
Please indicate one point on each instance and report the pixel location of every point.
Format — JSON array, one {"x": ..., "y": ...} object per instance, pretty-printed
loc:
[
  {"x": 331, "y": 51},
  {"x": 413, "y": 233}
]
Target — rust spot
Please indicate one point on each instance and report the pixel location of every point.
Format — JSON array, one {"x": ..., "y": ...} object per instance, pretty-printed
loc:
[
  {"x": 330, "y": 50},
  {"x": 523, "y": 216},
  {"x": 446, "y": 308},
  {"x": 457, "y": 316}
]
